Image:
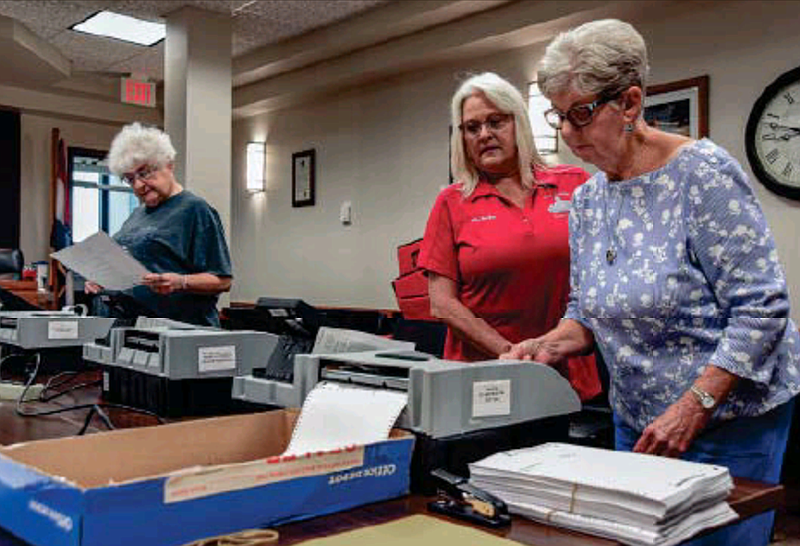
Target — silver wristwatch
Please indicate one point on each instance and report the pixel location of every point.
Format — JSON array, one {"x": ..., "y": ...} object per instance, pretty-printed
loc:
[{"x": 706, "y": 400}]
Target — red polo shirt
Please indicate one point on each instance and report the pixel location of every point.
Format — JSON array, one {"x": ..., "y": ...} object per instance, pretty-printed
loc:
[{"x": 511, "y": 264}]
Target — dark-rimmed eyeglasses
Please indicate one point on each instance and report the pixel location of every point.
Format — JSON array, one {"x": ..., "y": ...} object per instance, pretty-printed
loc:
[
  {"x": 578, "y": 116},
  {"x": 494, "y": 123},
  {"x": 145, "y": 173}
]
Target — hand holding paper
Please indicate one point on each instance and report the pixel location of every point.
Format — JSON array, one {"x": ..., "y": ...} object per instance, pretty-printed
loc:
[{"x": 101, "y": 260}]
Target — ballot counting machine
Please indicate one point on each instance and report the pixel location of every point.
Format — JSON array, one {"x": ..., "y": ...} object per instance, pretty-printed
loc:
[
  {"x": 176, "y": 350},
  {"x": 174, "y": 368},
  {"x": 37, "y": 330},
  {"x": 445, "y": 398},
  {"x": 459, "y": 412}
]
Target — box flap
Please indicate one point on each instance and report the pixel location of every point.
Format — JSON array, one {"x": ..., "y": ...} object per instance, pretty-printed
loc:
[{"x": 120, "y": 456}]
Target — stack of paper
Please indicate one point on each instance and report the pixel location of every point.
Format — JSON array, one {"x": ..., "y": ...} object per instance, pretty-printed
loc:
[{"x": 633, "y": 498}]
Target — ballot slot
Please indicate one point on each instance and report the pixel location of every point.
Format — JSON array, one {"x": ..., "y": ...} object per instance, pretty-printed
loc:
[{"x": 386, "y": 377}]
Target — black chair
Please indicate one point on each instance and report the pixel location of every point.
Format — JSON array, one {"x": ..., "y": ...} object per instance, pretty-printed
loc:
[{"x": 11, "y": 263}]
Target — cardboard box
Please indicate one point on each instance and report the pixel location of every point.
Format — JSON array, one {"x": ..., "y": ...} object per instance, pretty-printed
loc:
[{"x": 171, "y": 484}]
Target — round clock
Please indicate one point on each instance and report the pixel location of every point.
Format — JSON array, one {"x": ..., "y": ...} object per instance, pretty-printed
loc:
[{"x": 772, "y": 137}]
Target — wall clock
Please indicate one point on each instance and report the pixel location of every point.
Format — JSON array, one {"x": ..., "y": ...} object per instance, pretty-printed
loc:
[{"x": 772, "y": 137}]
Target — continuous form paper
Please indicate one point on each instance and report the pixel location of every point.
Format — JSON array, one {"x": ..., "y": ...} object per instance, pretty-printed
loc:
[
  {"x": 101, "y": 260},
  {"x": 335, "y": 416}
]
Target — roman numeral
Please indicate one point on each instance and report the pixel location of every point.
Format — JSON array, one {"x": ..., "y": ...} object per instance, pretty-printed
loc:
[
  {"x": 770, "y": 136},
  {"x": 787, "y": 171},
  {"x": 773, "y": 156},
  {"x": 773, "y": 116},
  {"x": 789, "y": 98}
]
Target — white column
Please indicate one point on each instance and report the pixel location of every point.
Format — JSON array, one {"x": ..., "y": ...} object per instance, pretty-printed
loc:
[{"x": 197, "y": 103}]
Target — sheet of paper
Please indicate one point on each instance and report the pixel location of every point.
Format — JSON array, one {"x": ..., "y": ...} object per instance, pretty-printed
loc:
[
  {"x": 335, "y": 416},
  {"x": 340, "y": 340},
  {"x": 101, "y": 260}
]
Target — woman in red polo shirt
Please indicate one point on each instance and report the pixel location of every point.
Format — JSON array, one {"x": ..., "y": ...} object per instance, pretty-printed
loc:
[{"x": 496, "y": 248}]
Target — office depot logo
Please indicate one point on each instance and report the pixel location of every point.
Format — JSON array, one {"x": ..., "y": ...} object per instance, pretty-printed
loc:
[{"x": 61, "y": 520}]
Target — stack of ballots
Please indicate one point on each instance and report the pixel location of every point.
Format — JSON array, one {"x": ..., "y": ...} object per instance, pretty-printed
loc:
[{"x": 629, "y": 497}]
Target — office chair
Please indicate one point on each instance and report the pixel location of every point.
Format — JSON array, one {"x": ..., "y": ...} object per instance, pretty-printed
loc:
[{"x": 11, "y": 263}]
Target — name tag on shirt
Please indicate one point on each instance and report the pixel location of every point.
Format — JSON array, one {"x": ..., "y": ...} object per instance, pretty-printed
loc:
[{"x": 560, "y": 205}]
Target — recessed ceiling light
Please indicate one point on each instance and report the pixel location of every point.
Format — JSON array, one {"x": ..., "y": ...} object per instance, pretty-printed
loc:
[{"x": 122, "y": 27}]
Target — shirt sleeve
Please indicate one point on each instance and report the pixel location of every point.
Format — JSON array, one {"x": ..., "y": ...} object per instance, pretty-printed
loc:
[
  {"x": 573, "y": 308},
  {"x": 730, "y": 241},
  {"x": 208, "y": 250},
  {"x": 438, "y": 253}
]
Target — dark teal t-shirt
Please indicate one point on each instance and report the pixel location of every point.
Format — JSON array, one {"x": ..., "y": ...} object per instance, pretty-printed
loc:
[{"x": 182, "y": 235}]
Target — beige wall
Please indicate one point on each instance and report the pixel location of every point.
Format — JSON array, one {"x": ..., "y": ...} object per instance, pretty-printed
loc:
[
  {"x": 35, "y": 173},
  {"x": 385, "y": 149}
]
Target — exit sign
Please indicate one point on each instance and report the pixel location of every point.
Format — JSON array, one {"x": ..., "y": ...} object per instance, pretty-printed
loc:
[{"x": 137, "y": 92}]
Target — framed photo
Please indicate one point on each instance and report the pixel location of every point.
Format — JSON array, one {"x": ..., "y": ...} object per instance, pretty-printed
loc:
[
  {"x": 679, "y": 107},
  {"x": 303, "y": 179}
]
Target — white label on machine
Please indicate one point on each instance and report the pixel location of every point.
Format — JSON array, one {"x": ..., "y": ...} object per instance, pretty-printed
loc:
[
  {"x": 213, "y": 359},
  {"x": 491, "y": 398},
  {"x": 62, "y": 329}
]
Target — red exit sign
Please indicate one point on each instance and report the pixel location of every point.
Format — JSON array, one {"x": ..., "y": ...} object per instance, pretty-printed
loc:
[{"x": 137, "y": 92}]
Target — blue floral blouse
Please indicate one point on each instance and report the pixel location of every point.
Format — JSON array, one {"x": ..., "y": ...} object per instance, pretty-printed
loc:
[{"x": 677, "y": 269}]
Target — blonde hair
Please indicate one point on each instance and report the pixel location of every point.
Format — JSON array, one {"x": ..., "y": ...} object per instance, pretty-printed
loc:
[
  {"x": 602, "y": 57},
  {"x": 509, "y": 100},
  {"x": 137, "y": 145}
]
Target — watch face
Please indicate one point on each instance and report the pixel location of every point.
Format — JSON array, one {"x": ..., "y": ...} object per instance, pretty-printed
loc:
[{"x": 773, "y": 136}]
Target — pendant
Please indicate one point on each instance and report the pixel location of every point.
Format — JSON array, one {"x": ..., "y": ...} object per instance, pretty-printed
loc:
[{"x": 611, "y": 255}]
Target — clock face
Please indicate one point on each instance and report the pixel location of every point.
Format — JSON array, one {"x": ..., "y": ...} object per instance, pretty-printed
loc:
[{"x": 773, "y": 136}]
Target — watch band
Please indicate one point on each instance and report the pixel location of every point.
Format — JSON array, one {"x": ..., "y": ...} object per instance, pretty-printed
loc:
[{"x": 706, "y": 400}]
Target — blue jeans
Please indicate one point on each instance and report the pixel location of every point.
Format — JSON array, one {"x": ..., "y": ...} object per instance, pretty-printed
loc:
[{"x": 751, "y": 447}]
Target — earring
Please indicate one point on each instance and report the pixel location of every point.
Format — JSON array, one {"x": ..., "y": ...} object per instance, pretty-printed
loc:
[{"x": 629, "y": 127}]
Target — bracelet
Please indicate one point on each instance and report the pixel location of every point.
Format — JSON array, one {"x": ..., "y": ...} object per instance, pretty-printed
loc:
[{"x": 184, "y": 283}]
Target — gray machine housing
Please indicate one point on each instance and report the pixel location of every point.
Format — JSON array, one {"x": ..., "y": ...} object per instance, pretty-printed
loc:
[
  {"x": 445, "y": 398},
  {"x": 50, "y": 329},
  {"x": 178, "y": 351}
]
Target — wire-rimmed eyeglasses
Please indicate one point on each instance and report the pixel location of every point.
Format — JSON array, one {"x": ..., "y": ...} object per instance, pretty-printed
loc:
[
  {"x": 145, "y": 173},
  {"x": 494, "y": 123}
]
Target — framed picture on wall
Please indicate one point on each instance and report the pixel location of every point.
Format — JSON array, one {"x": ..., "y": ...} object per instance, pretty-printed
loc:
[
  {"x": 679, "y": 107},
  {"x": 303, "y": 178}
]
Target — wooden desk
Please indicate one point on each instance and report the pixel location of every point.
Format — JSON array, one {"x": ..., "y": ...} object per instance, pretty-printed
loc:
[
  {"x": 28, "y": 291},
  {"x": 747, "y": 499}
]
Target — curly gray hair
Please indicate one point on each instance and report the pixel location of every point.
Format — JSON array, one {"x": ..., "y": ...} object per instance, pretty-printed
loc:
[
  {"x": 137, "y": 145},
  {"x": 509, "y": 100},
  {"x": 601, "y": 57}
]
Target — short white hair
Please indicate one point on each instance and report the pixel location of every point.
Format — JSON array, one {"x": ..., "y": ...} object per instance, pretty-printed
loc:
[
  {"x": 136, "y": 145},
  {"x": 507, "y": 99},
  {"x": 603, "y": 57}
]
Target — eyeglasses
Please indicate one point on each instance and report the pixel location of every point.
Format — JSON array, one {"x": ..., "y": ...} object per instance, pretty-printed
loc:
[
  {"x": 145, "y": 173},
  {"x": 494, "y": 123},
  {"x": 578, "y": 116}
]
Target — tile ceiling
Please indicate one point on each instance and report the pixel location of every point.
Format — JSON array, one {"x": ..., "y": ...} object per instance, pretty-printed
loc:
[{"x": 256, "y": 23}]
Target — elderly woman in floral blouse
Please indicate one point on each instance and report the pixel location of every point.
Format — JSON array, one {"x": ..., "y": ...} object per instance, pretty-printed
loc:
[{"x": 674, "y": 275}]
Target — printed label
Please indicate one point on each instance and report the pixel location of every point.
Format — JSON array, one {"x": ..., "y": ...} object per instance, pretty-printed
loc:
[
  {"x": 491, "y": 398},
  {"x": 62, "y": 521},
  {"x": 62, "y": 329},
  {"x": 257, "y": 473},
  {"x": 213, "y": 359}
]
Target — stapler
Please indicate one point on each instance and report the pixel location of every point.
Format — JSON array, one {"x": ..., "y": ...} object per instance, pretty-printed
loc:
[{"x": 461, "y": 500}]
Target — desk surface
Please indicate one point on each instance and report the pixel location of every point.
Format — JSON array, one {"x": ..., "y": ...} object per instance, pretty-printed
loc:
[
  {"x": 28, "y": 291},
  {"x": 748, "y": 498}
]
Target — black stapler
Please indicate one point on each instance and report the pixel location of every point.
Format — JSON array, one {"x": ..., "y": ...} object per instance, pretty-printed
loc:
[{"x": 464, "y": 501}]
